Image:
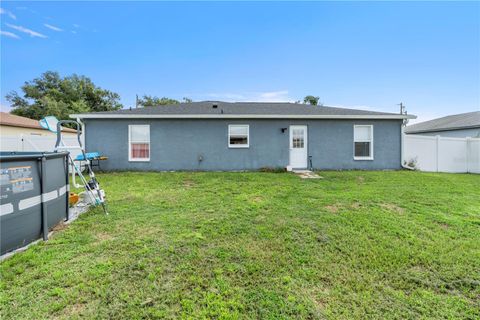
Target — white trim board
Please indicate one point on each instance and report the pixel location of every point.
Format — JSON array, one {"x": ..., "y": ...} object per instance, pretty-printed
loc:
[{"x": 237, "y": 116}]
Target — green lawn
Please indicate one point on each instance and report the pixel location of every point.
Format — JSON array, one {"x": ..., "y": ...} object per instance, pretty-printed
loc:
[{"x": 356, "y": 244}]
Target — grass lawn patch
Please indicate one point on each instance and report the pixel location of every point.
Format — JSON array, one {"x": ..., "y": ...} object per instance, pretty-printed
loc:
[{"x": 354, "y": 244}]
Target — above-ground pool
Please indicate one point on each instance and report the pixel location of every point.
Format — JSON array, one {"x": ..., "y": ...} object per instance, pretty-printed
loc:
[{"x": 34, "y": 196}]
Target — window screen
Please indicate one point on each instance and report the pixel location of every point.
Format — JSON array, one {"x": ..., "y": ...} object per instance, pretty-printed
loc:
[
  {"x": 363, "y": 142},
  {"x": 139, "y": 140},
  {"x": 238, "y": 136}
]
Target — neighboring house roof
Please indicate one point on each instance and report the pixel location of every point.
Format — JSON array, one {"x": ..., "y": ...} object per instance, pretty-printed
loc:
[
  {"x": 8, "y": 119},
  {"x": 218, "y": 109},
  {"x": 454, "y": 122}
]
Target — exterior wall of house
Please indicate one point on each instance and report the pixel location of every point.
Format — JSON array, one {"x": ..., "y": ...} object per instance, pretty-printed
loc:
[
  {"x": 179, "y": 144},
  {"x": 463, "y": 133}
]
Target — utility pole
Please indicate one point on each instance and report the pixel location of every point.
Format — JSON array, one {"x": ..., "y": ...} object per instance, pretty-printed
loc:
[
  {"x": 136, "y": 101},
  {"x": 403, "y": 111}
]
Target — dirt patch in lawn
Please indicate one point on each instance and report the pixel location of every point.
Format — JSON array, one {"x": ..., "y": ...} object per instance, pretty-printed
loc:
[
  {"x": 443, "y": 225},
  {"x": 318, "y": 298},
  {"x": 103, "y": 236},
  {"x": 392, "y": 207},
  {"x": 60, "y": 226},
  {"x": 356, "y": 205},
  {"x": 188, "y": 183},
  {"x": 73, "y": 309},
  {"x": 257, "y": 199},
  {"x": 333, "y": 208}
]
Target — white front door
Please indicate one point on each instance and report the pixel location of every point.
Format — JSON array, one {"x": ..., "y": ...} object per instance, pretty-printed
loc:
[{"x": 298, "y": 147}]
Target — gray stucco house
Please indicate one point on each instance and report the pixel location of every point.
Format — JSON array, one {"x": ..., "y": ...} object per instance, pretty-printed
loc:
[
  {"x": 213, "y": 135},
  {"x": 461, "y": 125}
]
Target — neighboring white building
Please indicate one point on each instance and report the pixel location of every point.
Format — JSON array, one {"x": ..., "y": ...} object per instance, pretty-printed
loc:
[
  {"x": 24, "y": 134},
  {"x": 12, "y": 125},
  {"x": 461, "y": 125}
]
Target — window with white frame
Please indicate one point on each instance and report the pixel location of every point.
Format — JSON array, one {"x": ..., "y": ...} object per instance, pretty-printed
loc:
[
  {"x": 139, "y": 142},
  {"x": 238, "y": 136},
  {"x": 363, "y": 142}
]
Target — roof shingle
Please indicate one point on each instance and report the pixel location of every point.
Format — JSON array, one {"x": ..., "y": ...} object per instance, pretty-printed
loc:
[
  {"x": 453, "y": 122},
  {"x": 8, "y": 119},
  {"x": 240, "y": 108}
]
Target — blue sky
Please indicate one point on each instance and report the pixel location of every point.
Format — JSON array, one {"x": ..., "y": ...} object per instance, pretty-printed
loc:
[{"x": 363, "y": 55}]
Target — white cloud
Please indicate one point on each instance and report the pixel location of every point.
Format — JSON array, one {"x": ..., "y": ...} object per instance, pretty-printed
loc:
[
  {"x": 74, "y": 32},
  {"x": 274, "y": 96},
  {"x": 10, "y": 14},
  {"x": 49, "y": 26},
  {"x": 76, "y": 25},
  {"x": 9, "y": 34},
  {"x": 267, "y": 96},
  {"x": 26, "y": 30}
]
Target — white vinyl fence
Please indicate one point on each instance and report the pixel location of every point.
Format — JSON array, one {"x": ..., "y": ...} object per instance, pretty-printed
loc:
[
  {"x": 442, "y": 154},
  {"x": 36, "y": 143}
]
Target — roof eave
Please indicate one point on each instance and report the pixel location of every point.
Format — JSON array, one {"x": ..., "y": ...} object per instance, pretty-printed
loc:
[
  {"x": 442, "y": 129},
  {"x": 8, "y": 124},
  {"x": 237, "y": 116}
]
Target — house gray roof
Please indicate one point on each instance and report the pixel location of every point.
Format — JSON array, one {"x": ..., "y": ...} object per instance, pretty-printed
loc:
[
  {"x": 218, "y": 109},
  {"x": 454, "y": 122}
]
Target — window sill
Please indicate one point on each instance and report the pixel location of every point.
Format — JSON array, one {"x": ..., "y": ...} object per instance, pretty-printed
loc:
[
  {"x": 139, "y": 160},
  {"x": 363, "y": 158},
  {"x": 238, "y": 147}
]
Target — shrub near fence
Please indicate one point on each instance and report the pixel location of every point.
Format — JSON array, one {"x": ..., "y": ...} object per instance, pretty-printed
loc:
[{"x": 443, "y": 154}]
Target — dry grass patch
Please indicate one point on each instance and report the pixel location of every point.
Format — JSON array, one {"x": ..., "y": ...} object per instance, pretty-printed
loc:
[
  {"x": 392, "y": 207},
  {"x": 60, "y": 226},
  {"x": 188, "y": 183},
  {"x": 257, "y": 199},
  {"x": 72, "y": 310},
  {"x": 103, "y": 236},
  {"x": 356, "y": 205},
  {"x": 333, "y": 208}
]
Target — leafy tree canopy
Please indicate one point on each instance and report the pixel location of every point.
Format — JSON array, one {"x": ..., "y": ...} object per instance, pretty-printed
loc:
[
  {"x": 152, "y": 101},
  {"x": 53, "y": 95},
  {"x": 311, "y": 100}
]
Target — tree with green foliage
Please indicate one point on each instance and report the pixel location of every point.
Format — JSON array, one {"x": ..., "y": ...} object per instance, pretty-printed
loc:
[
  {"x": 53, "y": 95},
  {"x": 311, "y": 100},
  {"x": 152, "y": 101}
]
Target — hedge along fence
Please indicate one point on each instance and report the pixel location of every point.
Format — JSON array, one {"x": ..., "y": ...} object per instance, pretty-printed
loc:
[{"x": 443, "y": 154}]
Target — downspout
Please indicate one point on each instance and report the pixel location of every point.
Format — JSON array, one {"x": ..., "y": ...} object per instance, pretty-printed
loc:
[
  {"x": 83, "y": 131},
  {"x": 402, "y": 152},
  {"x": 82, "y": 146}
]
